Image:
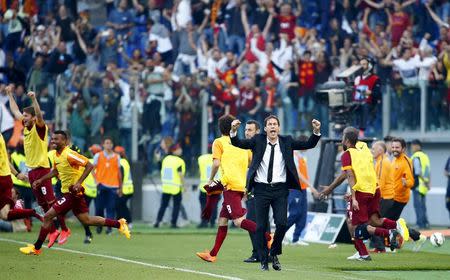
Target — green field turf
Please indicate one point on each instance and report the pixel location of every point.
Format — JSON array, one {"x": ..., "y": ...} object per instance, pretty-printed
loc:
[{"x": 170, "y": 254}]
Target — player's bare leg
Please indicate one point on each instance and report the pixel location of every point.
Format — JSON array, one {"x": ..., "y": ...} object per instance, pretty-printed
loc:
[{"x": 120, "y": 224}]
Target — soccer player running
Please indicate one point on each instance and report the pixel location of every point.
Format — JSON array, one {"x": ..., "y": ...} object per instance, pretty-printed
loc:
[
  {"x": 233, "y": 164},
  {"x": 35, "y": 144},
  {"x": 7, "y": 212},
  {"x": 357, "y": 165},
  {"x": 72, "y": 169}
]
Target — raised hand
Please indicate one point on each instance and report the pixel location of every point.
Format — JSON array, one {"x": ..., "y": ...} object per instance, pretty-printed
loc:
[
  {"x": 31, "y": 94},
  {"x": 316, "y": 126},
  {"x": 235, "y": 125}
]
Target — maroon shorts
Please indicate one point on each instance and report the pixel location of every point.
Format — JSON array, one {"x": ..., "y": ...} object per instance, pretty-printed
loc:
[
  {"x": 6, "y": 186},
  {"x": 232, "y": 205},
  {"x": 44, "y": 194},
  {"x": 76, "y": 203},
  {"x": 367, "y": 205}
]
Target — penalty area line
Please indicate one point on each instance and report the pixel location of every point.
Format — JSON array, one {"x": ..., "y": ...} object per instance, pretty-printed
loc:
[{"x": 132, "y": 261}]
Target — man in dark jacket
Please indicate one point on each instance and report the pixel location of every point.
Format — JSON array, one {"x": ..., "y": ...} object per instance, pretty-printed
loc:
[{"x": 270, "y": 176}]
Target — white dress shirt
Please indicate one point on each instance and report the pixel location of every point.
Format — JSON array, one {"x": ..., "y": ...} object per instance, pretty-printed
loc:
[{"x": 279, "y": 168}]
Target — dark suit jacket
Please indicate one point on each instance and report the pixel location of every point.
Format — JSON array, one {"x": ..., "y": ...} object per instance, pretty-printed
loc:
[{"x": 258, "y": 146}]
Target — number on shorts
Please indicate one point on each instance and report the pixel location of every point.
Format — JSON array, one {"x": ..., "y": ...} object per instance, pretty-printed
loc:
[
  {"x": 61, "y": 201},
  {"x": 229, "y": 209},
  {"x": 44, "y": 190},
  {"x": 350, "y": 214}
]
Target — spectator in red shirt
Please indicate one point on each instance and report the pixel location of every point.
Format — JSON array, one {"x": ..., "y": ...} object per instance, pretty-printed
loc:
[
  {"x": 400, "y": 21},
  {"x": 249, "y": 101},
  {"x": 286, "y": 20}
]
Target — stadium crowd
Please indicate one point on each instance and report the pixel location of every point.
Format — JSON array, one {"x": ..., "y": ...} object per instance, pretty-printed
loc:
[{"x": 248, "y": 58}]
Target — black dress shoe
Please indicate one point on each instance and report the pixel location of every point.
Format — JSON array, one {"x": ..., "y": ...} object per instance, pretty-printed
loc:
[
  {"x": 275, "y": 263},
  {"x": 252, "y": 259},
  {"x": 264, "y": 266}
]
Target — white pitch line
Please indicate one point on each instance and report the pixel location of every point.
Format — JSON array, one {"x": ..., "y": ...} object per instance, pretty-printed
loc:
[{"x": 134, "y": 262}]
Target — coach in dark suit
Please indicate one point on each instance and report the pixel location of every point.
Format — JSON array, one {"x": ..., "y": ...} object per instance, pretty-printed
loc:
[{"x": 270, "y": 176}]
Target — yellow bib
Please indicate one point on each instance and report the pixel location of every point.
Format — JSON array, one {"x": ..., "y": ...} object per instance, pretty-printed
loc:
[
  {"x": 362, "y": 166},
  {"x": 35, "y": 148}
]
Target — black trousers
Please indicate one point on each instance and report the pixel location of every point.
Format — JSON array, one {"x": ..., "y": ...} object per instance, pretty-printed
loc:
[
  {"x": 122, "y": 210},
  {"x": 266, "y": 196},
  {"x": 251, "y": 215},
  {"x": 378, "y": 241},
  {"x": 176, "y": 207},
  {"x": 87, "y": 230},
  {"x": 395, "y": 212},
  {"x": 212, "y": 220}
]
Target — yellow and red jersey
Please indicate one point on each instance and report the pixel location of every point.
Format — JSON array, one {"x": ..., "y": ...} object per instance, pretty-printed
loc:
[
  {"x": 233, "y": 163},
  {"x": 70, "y": 166}
]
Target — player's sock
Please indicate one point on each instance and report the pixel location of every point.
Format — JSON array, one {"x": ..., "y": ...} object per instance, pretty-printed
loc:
[
  {"x": 15, "y": 214},
  {"x": 112, "y": 223},
  {"x": 381, "y": 232},
  {"x": 360, "y": 247},
  {"x": 414, "y": 234},
  {"x": 42, "y": 236},
  {"x": 248, "y": 225},
  {"x": 53, "y": 228},
  {"x": 220, "y": 237},
  {"x": 389, "y": 224},
  {"x": 87, "y": 231},
  {"x": 62, "y": 222}
]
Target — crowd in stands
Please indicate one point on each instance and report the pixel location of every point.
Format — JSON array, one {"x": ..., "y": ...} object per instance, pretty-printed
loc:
[{"x": 248, "y": 58}]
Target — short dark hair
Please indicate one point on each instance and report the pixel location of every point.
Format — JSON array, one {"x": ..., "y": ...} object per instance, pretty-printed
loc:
[
  {"x": 29, "y": 110},
  {"x": 401, "y": 141},
  {"x": 388, "y": 138},
  {"x": 225, "y": 124},
  {"x": 351, "y": 134},
  {"x": 271, "y": 117},
  {"x": 107, "y": 138},
  {"x": 61, "y": 132},
  {"x": 416, "y": 142},
  {"x": 257, "y": 126}
]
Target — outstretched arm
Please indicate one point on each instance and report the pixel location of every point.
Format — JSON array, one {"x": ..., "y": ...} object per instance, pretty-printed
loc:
[
  {"x": 337, "y": 182},
  {"x": 37, "y": 110},
  {"x": 312, "y": 141},
  {"x": 12, "y": 103}
]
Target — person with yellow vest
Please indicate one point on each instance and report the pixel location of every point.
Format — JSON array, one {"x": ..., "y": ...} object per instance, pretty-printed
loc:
[
  {"x": 173, "y": 169},
  {"x": 204, "y": 166},
  {"x": 35, "y": 144},
  {"x": 24, "y": 187},
  {"x": 90, "y": 191},
  {"x": 108, "y": 178},
  {"x": 357, "y": 163},
  {"x": 421, "y": 167},
  {"x": 297, "y": 199},
  {"x": 127, "y": 189},
  {"x": 7, "y": 210}
]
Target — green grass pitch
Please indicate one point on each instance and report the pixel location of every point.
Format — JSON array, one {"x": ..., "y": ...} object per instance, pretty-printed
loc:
[{"x": 170, "y": 254}]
